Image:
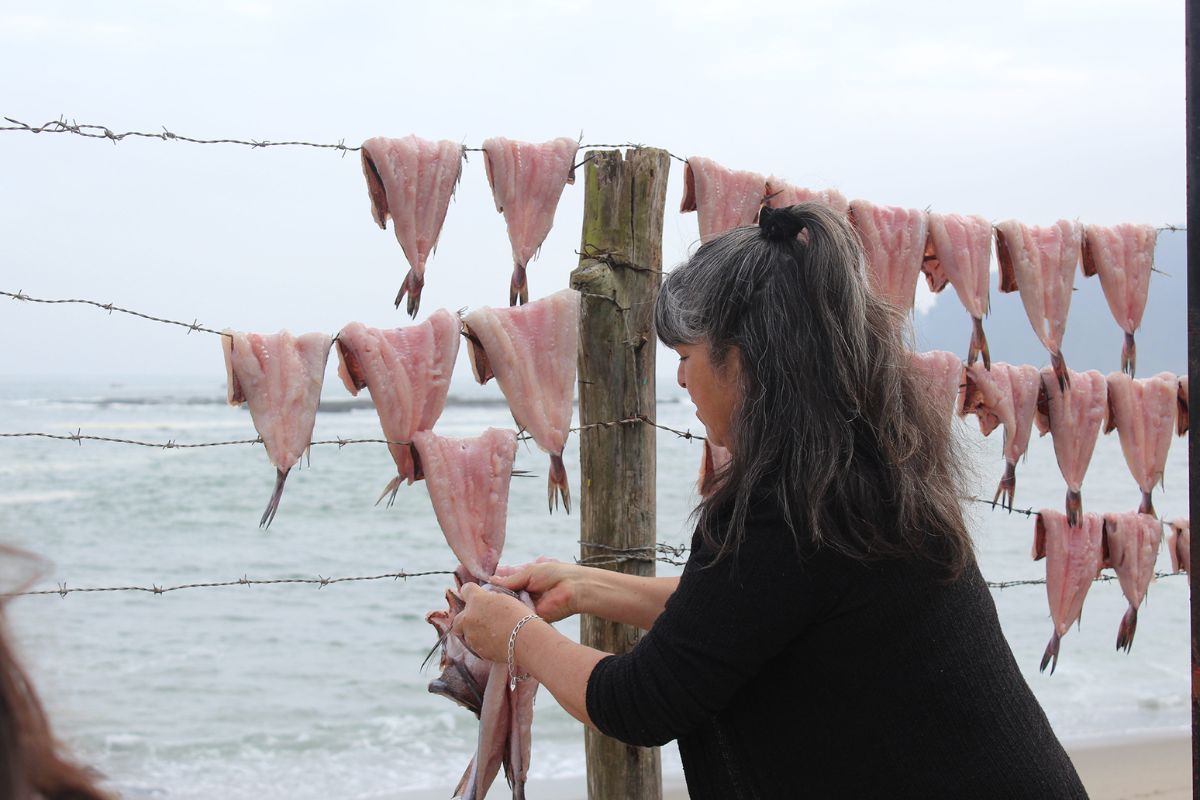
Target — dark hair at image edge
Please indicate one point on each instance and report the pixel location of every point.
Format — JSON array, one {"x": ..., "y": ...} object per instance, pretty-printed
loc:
[
  {"x": 833, "y": 425},
  {"x": 32, "y": 765}
]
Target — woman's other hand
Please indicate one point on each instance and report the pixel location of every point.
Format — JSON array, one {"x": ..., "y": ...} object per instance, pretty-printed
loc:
[
  {"x": 487, "y": 621},
  {"x": 553, "y": 585}
]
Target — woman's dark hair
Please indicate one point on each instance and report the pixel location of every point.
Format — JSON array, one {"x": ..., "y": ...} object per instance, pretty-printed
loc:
[
  {"x": 832, "y": 424},
  {"x": 32, "y": 765}
]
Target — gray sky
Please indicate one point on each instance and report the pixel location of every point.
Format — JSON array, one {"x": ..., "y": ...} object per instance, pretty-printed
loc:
[{"x": 1033, "y": 110}]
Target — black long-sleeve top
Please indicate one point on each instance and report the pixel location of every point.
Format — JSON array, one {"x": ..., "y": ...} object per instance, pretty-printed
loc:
[{"x": 823, "y": 676}]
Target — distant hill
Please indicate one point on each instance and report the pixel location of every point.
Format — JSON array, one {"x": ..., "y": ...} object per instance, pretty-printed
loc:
[{"x": 1093, "y": 340}]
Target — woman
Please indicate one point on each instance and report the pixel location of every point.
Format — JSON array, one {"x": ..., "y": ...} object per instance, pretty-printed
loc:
[{"x": 831, "y": 635}]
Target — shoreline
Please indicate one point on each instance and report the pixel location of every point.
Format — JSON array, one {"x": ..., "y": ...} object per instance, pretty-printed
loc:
[{"x": 1124, "y": 767}]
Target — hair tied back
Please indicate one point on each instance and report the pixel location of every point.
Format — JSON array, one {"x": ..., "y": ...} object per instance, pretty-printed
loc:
[{"x": 779, "y": 224}]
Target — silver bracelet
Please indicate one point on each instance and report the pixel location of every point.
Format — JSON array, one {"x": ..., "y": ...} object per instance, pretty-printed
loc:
[{"x": 513, "y": 677}]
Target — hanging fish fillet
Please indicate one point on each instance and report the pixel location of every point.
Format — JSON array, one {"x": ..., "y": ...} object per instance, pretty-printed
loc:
[
  {"x": 1179, "y": 545},
  {"x": 1005, "y": 395},
  {"x": 1040, "y": 263},
  {"x": 532, "y": 352},
  {"x": 464, "y": 674},
  {"x": 1143, "y": 414},
  {"x": 520, "y": 726},
  {"x": 894, "y": 244},
  {"x": 1131, "y": 547},
  {"x": 942, "y": 371},
  {"x": 959, "y": 251},
  {"x": 1074, "y": 555},
  {"x": 527, "y": 181},
  {"x": 411, "y": 180},
  {"x": 1182, "y": 414},
  {"x": 408, "y": 371},
  {"x": 1122, "y": 256},
  {"x": 714, "y": 459},
  {"x": 279, "y": 376},
  {"x": 723, "y": 199},
  {"x": 1073, "y": 416},
  {"x": 781, "y": 194},
  {"x": 468, "y": 483}
]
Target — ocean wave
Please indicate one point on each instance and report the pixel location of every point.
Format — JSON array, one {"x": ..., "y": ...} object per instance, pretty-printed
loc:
[{"x": 34, "y": 498}]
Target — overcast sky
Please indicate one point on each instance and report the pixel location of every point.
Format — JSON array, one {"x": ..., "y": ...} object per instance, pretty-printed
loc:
[{"x": 1034, "y": 110}]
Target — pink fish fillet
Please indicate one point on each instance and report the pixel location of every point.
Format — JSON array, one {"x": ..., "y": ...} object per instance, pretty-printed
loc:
[
  {"x": 412, "y": 180},
  {"x": 532, "y": 352},
  {"x": 1073, "y": 416},
  {"x": 1179, "y": 545},
  {"x": 1182, "y": 414},
  {"x": 1131, "y": 543},
  {"x": 1143, "y": 413},
  {"x": 1122, "y": 256},
  {"x": 959, "y": 251},
  {"x": 520, "y": 726},
  {"x": 723, "y": 199},
  {"x": 279, "y": 376},
  {"x": 491, "y": 750},
  {"x": 1005, "y": 395},
  {"x": 468, "y": 483},
  {"x": 714, "y": 459},
  {"x": 464, "y": 675},
  {"x": 1040, "y": 263},
  {"x": 894, "y": 243},
  {"x": 527, "y": 181},
  {"x": 1074, "y": 556},
  {"x": 781, "y": 194},
  {"x": 942, "y": 371},
  {"x": 408, "y": 371}
]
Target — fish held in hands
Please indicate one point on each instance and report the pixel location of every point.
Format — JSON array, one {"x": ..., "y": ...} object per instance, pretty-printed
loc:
[
  {"x": 412, "y": 181},
  {"x": 959, "y": 252},
  {"x": 279, "y": 377},
  {"x": 722, "y": 198},
  {"x": 1074, "y": 556},
  {"x": 1131, "y": 543},
  {"x": 1143, "y": 413},
  {"x": 1073, "y": 416},
  {"x": 532, "y": 352},
  {"x": 407, "y": 371},
  {"x": 894, "y": 245},
  {"x": 1040, "y": 263},
  {"x": 1123, "y": 256},
  {"x": 468, "y": 482},
  {"x": 1004, "y": 395},
  {"x": 527, "y": 181}
]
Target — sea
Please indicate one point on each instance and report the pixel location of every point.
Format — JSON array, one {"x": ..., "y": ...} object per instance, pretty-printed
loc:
[{"x": 303, "y": 690}]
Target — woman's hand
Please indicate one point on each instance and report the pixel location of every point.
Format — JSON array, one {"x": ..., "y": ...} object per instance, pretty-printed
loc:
[
  {"x": 487, "y": 621},
  {"x": 554, "y": 586}
]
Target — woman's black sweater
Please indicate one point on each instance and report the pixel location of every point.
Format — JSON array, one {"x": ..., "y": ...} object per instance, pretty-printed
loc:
[{"x": 825, "y": 676}]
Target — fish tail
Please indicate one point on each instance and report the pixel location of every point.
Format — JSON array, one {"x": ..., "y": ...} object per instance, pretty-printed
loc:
[
  {"x": 466, "y": 785},
  {"x": 1129, "y": 355},
  {"x": 518, "y": 290},
  {"x": 1127, "y": 630},
  {"x": 390, "y": 491},
  {"x": 1051, "y": 655},
  {"x": 558, "y": 484},
  {"x": 1007, "y": 488},
  {"x": 418, "y": 472},
  {"x": 273, "y": 505},
  {"x": 480, "y": 365},
  {"x": 1074, "y": 508},
  {"x": 1147, "y": 506},
  {"x": 413, "y": 283},
  {"x": 1059, "y": 365},
  {"x": 979, "y": 345}
]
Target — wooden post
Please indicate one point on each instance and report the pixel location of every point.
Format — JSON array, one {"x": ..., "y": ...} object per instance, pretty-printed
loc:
[{"x": 619, "y": 274}]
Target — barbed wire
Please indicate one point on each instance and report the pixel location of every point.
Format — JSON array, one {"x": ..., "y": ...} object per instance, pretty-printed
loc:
[{"x": 194, "y": 325}]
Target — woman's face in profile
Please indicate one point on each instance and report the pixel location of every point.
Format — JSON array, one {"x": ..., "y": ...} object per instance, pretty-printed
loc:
[{"x": 713, "y": 390}]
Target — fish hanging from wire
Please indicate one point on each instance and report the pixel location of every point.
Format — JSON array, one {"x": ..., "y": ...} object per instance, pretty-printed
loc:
[
  {"x": 1142, "y": 411},
  {"x": 959, "y": 252},
  {"x": 781, "y": 194},
  {"x": 407, "y": 371},
  {"x": 412, "y": 181},
  {"x": 1131, "y": 543},
  {"x": 527, "y": 181},
  {"x": 1007, "y": 395},
  {"x": 894, "y": 245},
  {"x": 1123, "y": 256},
  {"x": 722, "y": 198},
  {"x": 279, "y": 377},
  {"x": 1072, "y": 415},
  {"x": 1074, "y": 553},
  {"x": 941, "y": 372}
]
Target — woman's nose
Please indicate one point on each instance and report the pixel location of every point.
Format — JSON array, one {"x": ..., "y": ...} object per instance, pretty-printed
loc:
[{"x": 679, "y": 376}]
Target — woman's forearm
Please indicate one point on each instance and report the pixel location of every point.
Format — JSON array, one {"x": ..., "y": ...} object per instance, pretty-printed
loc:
[{"x": 629, "y": 599}]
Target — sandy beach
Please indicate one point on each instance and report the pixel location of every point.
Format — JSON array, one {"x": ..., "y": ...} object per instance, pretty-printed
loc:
[{"x": 1157, "y": 766}]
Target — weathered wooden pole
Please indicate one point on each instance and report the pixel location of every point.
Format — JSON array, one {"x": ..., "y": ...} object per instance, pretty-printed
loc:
[
  {"x": 1191, "y": 40},
  {"x": 618, "y": 274}
]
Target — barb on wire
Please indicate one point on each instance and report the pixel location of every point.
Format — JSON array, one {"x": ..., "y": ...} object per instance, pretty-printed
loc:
[
  {"x": 1042, "y": 581},
  {"x": 630, "y": 146},
  {"x": 1029, "y": 512},
  {"x": 320, "y": 582},
  {"x": 61, "y": 125},
  {"x": 194, "y": 325}
]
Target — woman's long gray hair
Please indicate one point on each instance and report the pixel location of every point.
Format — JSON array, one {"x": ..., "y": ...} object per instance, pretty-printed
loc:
[{"x": 832, "y": 425}]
